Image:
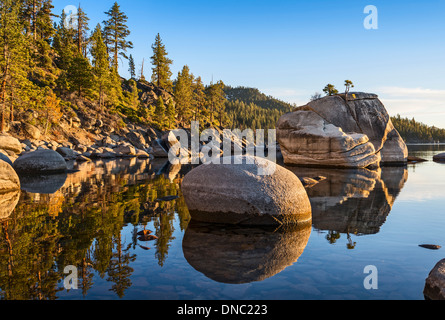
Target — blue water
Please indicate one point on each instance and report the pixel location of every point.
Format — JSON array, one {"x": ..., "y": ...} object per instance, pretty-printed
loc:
[{"x": 359, "y": 219}]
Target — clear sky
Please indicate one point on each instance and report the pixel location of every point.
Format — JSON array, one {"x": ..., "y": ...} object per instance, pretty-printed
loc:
[{"x": 292, "y": 49}]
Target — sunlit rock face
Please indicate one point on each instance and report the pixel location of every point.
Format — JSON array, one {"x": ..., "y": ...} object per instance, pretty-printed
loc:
[
  {"x": 235, "y": 254},
  {"x": 236, "y": 193},
  {"x": 335, "y": 131},
  {"x": 354, "y": 201},
  {"x": 9, "y": 180}
]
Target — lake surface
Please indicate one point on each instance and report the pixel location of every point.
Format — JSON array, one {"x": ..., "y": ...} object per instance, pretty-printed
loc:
[{"x": 90, "y": 219}]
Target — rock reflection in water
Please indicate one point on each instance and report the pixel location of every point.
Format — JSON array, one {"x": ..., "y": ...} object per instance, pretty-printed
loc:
[
  {"x": 235, "y": 254},
  {"x": 8, "y": 202},
  {"x": 353, "y": 201}
]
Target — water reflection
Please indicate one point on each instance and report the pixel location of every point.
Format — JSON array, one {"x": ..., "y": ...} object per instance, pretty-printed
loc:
[
  {"x": 8, "y": 202},
  {"x": 79, "y": 222},
  {"x": 352, "y": 201},
  {"x": 235, "y": 254}
]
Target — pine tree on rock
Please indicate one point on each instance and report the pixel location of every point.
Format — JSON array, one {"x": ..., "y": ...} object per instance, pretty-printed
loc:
[
  {"x": 161, "y": 65},
  {"x": 115, "y": 33}
]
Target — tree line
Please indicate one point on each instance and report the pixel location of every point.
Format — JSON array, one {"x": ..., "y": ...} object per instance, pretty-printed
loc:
[
  {"x": 417, "y": 132},
  {"x": 46, "y": 60}
]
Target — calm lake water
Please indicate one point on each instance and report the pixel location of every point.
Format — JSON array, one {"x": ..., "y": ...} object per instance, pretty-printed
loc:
[{"x": 90, "y": 219}]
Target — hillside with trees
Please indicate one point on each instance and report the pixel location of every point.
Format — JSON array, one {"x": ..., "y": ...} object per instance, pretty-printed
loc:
[
  {"x": 58, "y": 73},
  {"x": 417, "y": 132},
  {"x": 250, "y": 108}
]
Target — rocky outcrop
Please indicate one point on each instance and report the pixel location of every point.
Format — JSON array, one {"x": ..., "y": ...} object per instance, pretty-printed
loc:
[
  {"x": 238, "y": 193},
  {"x": 9, "y": 143},
  {"x": 435, "y": 283},
  {"x": 40, "y": 161},
  {"x": 335, "y": 132},
  {"x": 9, "y": 180}
]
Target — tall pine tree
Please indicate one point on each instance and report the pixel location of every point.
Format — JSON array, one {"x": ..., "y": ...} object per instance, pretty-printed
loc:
[
  {"x": 14, "y": 53},
  {"x": 184, "y": 95},
  {"x": 161, "y": 65},
  {"x": 115, "y": 33},
  {"x": 100, "y": 64},
  {"x": 82, "y": 31}
]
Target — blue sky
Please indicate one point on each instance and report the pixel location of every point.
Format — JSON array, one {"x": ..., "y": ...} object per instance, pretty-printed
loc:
[{"x": 292, "y": 49}]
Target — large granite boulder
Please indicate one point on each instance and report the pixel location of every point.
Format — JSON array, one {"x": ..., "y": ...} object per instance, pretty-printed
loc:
[
  {"x": 242, "y": 193},
  {"x": 40, "y": 161},
  {"x": 435, "y": 283},
  {"x": 333, "y": 131},
  {"x": 9, "y": 180},
  {"x": 9, "y": 143}
]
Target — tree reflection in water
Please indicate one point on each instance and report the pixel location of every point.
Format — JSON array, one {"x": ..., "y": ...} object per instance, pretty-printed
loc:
[{"x": 80, "y": 224}]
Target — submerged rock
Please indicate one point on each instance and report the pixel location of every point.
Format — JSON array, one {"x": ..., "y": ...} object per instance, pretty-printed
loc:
[
  {"x": 40, "y": 161},
  {"x": 243, "y": 194},
  {"x": 335, "y": 132},
  {"x": 439, "y": 157}
]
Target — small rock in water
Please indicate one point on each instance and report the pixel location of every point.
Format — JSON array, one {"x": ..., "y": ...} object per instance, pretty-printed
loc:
[
  {"x": 144, "y": 232},
  {"x": 430, "y": 246},
  {"x": 148, "y": 237},
  {"x": 168, "y": 198}
]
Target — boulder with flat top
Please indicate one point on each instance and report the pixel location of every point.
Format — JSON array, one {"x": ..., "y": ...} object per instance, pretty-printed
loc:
[{"x": 353, "y": 131}]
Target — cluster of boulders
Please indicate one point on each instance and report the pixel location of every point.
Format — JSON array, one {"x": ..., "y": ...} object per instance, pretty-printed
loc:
[{"x": 338, "y": 131}]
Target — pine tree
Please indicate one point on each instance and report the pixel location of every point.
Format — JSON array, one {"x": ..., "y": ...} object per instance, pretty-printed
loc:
[
  {"x": 330, "y": 90},
  {"x": 79, "y": 75},
  {"x": 82, "y": 30},
  {"x": 199, "y": 100},
  {"x": 13, "y": 53},
  {"x": 100, "y": 64},
  {"x": 45, "y": 28},
  {"x": 171, "y": 114},
  {"x": 184, "y": 95},
  {"x": 115, "y": 33},
  {"x": 159, "y": 115},
  {"x": 131, "y": 67},
  {"x": 216, "y": 101},
  {"x": 161, "y": 65}
]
